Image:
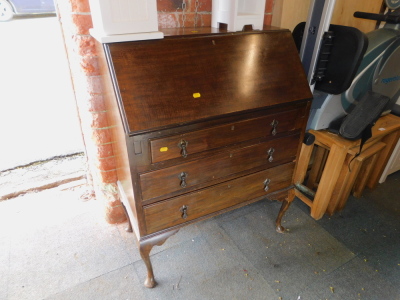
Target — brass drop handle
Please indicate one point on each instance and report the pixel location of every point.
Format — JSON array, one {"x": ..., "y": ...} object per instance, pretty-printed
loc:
[
  {"x": 183, "y": 145},
  {"x": 266, "y": 184},
  {"x": 183, "y": 176},
  {"x": 270, "y": 153},
  {"x": 183, "y": 210},
  {"x": 274, "y": 124}
]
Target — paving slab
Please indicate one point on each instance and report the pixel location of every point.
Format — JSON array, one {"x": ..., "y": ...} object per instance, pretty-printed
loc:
[
  {"x": 41, "y": 175},
  {"x": 291, "y": 261},
  {"x": 55, "y": 245},
  {"x": 354, "y": 280},
  {"x": 207, "y": 267},
  {"x": 118, "y": 284},
  {"x": 57, "y": 242}
]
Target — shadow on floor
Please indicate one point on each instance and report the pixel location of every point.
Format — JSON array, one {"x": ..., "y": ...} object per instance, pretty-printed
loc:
[{"x": 54, "y": 245}]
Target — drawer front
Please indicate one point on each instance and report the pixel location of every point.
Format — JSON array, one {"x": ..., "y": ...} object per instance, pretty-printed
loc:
[
  {"x": 184, "y": 145},
  {"x": 194, "y": 205},
  {"x": 177, "y": 178}
]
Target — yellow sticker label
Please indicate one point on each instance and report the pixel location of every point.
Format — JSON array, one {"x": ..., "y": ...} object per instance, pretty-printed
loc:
[
  {"x": 196, "y": 95},
  {"x": 163, "y": 149}
]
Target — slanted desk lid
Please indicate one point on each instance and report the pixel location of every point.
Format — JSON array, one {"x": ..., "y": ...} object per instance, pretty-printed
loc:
[{"x": 183, "y": 79}]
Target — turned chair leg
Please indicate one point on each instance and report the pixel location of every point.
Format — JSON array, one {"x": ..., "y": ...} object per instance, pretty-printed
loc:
[
  {"x": 285, "y": 205},
  {"x": 145, "y": 247}
]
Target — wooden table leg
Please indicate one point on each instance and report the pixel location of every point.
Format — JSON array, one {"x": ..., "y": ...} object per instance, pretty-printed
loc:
[
  {"x": 342, "y": 185},
  {"x": 390, "y": 140},
  {"x": 366, "y": 171},
  {"x": 302, "y": 163},
  {"x": 348, "y": 177},
  {"x": 328, "y": 181},
  {"x": 317, "y": 167}
]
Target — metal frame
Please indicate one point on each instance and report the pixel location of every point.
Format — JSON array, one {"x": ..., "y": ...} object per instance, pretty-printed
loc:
[{"x": 318, "y": 21}]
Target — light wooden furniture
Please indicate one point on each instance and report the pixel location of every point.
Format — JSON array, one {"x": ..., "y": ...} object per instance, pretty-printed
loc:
[
  {"x": 335, "y": 170},
  {"x": 289, "y": 13},
  {"x": 205, "y": 121},
  {"x": 349, "y": 176},
  {"x": 393, "y": 164}
]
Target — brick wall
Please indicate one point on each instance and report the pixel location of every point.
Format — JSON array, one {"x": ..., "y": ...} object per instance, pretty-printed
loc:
[{"x": 75, "y": 20}]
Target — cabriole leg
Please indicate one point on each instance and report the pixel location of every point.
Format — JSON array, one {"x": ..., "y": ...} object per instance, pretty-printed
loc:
[
  {"x": 145, "y": 247},
  {"x": 285, "y": 205}
]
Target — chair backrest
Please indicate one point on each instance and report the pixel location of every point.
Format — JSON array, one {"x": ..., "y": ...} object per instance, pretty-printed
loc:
[{"x": 340, "y": 65}]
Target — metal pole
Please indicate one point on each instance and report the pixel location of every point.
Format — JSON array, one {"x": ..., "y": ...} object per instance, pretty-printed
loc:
[{"x": 318, "y": 21}]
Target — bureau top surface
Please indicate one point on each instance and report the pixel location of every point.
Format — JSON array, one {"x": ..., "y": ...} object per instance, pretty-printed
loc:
[{"x": 182, "y": 79}]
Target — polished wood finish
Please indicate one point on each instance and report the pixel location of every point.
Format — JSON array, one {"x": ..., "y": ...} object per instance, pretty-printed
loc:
[
  {"x": 335, "y": 175},
  {"x": 224, "y": 135},
  {"x": 165, "y": 214},
  {"x": 194, "y": 81},
  {"x": 206, "y": 122},
  {"x": 165, "y": 181}
]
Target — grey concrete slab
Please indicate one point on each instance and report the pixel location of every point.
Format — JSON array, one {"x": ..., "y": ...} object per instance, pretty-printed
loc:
[
  {"x": 209, "y": 266},
  {"x": 119, "y": 284},
  {"x": 291, "y": 261},
  {"x": 42, "y": 175},
  {"x": 360, "y": 226},
  {"x": 371, "y": 220},
  {"x": 184, "y": 234},
  {"x": 59, "y": 247},
  {"x": 37, "y": 272},
  {"x": 65, "y": 248},
  {"x": 354, "y": 280},
  {"x": 4, "y": 265},
  {"x": 385, "y": 259}
]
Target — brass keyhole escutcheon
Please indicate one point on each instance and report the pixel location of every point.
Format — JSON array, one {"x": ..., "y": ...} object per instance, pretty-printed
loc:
[{"x": 183, "y": 210}]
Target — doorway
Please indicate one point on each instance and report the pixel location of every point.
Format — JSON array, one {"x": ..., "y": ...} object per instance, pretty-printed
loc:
[{"x": 38, "y": 116}]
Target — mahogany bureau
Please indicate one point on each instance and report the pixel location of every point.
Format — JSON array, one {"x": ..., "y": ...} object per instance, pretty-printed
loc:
[{"x": 206, "y": 121}]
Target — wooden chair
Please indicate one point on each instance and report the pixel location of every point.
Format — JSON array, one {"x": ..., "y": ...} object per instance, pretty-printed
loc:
[{"x": 334, "y": 175}]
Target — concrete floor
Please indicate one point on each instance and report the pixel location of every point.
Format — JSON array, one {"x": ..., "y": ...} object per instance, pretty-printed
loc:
[{"x": 55, "y": 245}]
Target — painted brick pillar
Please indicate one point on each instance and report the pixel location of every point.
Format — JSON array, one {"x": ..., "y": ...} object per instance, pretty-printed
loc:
[
  {"x": 75, "y": 22},
  {"x": 75, "y": 19}
]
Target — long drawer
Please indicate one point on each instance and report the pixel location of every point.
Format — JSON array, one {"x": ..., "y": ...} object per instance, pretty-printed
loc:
[
  {"x": 177, "y": 178},
  {"x": 219, "y": 136},
  {"x": 178, "y": 210}
]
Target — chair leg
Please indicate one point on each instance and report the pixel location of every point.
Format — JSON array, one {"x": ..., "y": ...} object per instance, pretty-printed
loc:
[{"x": 328, "y": 181}]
